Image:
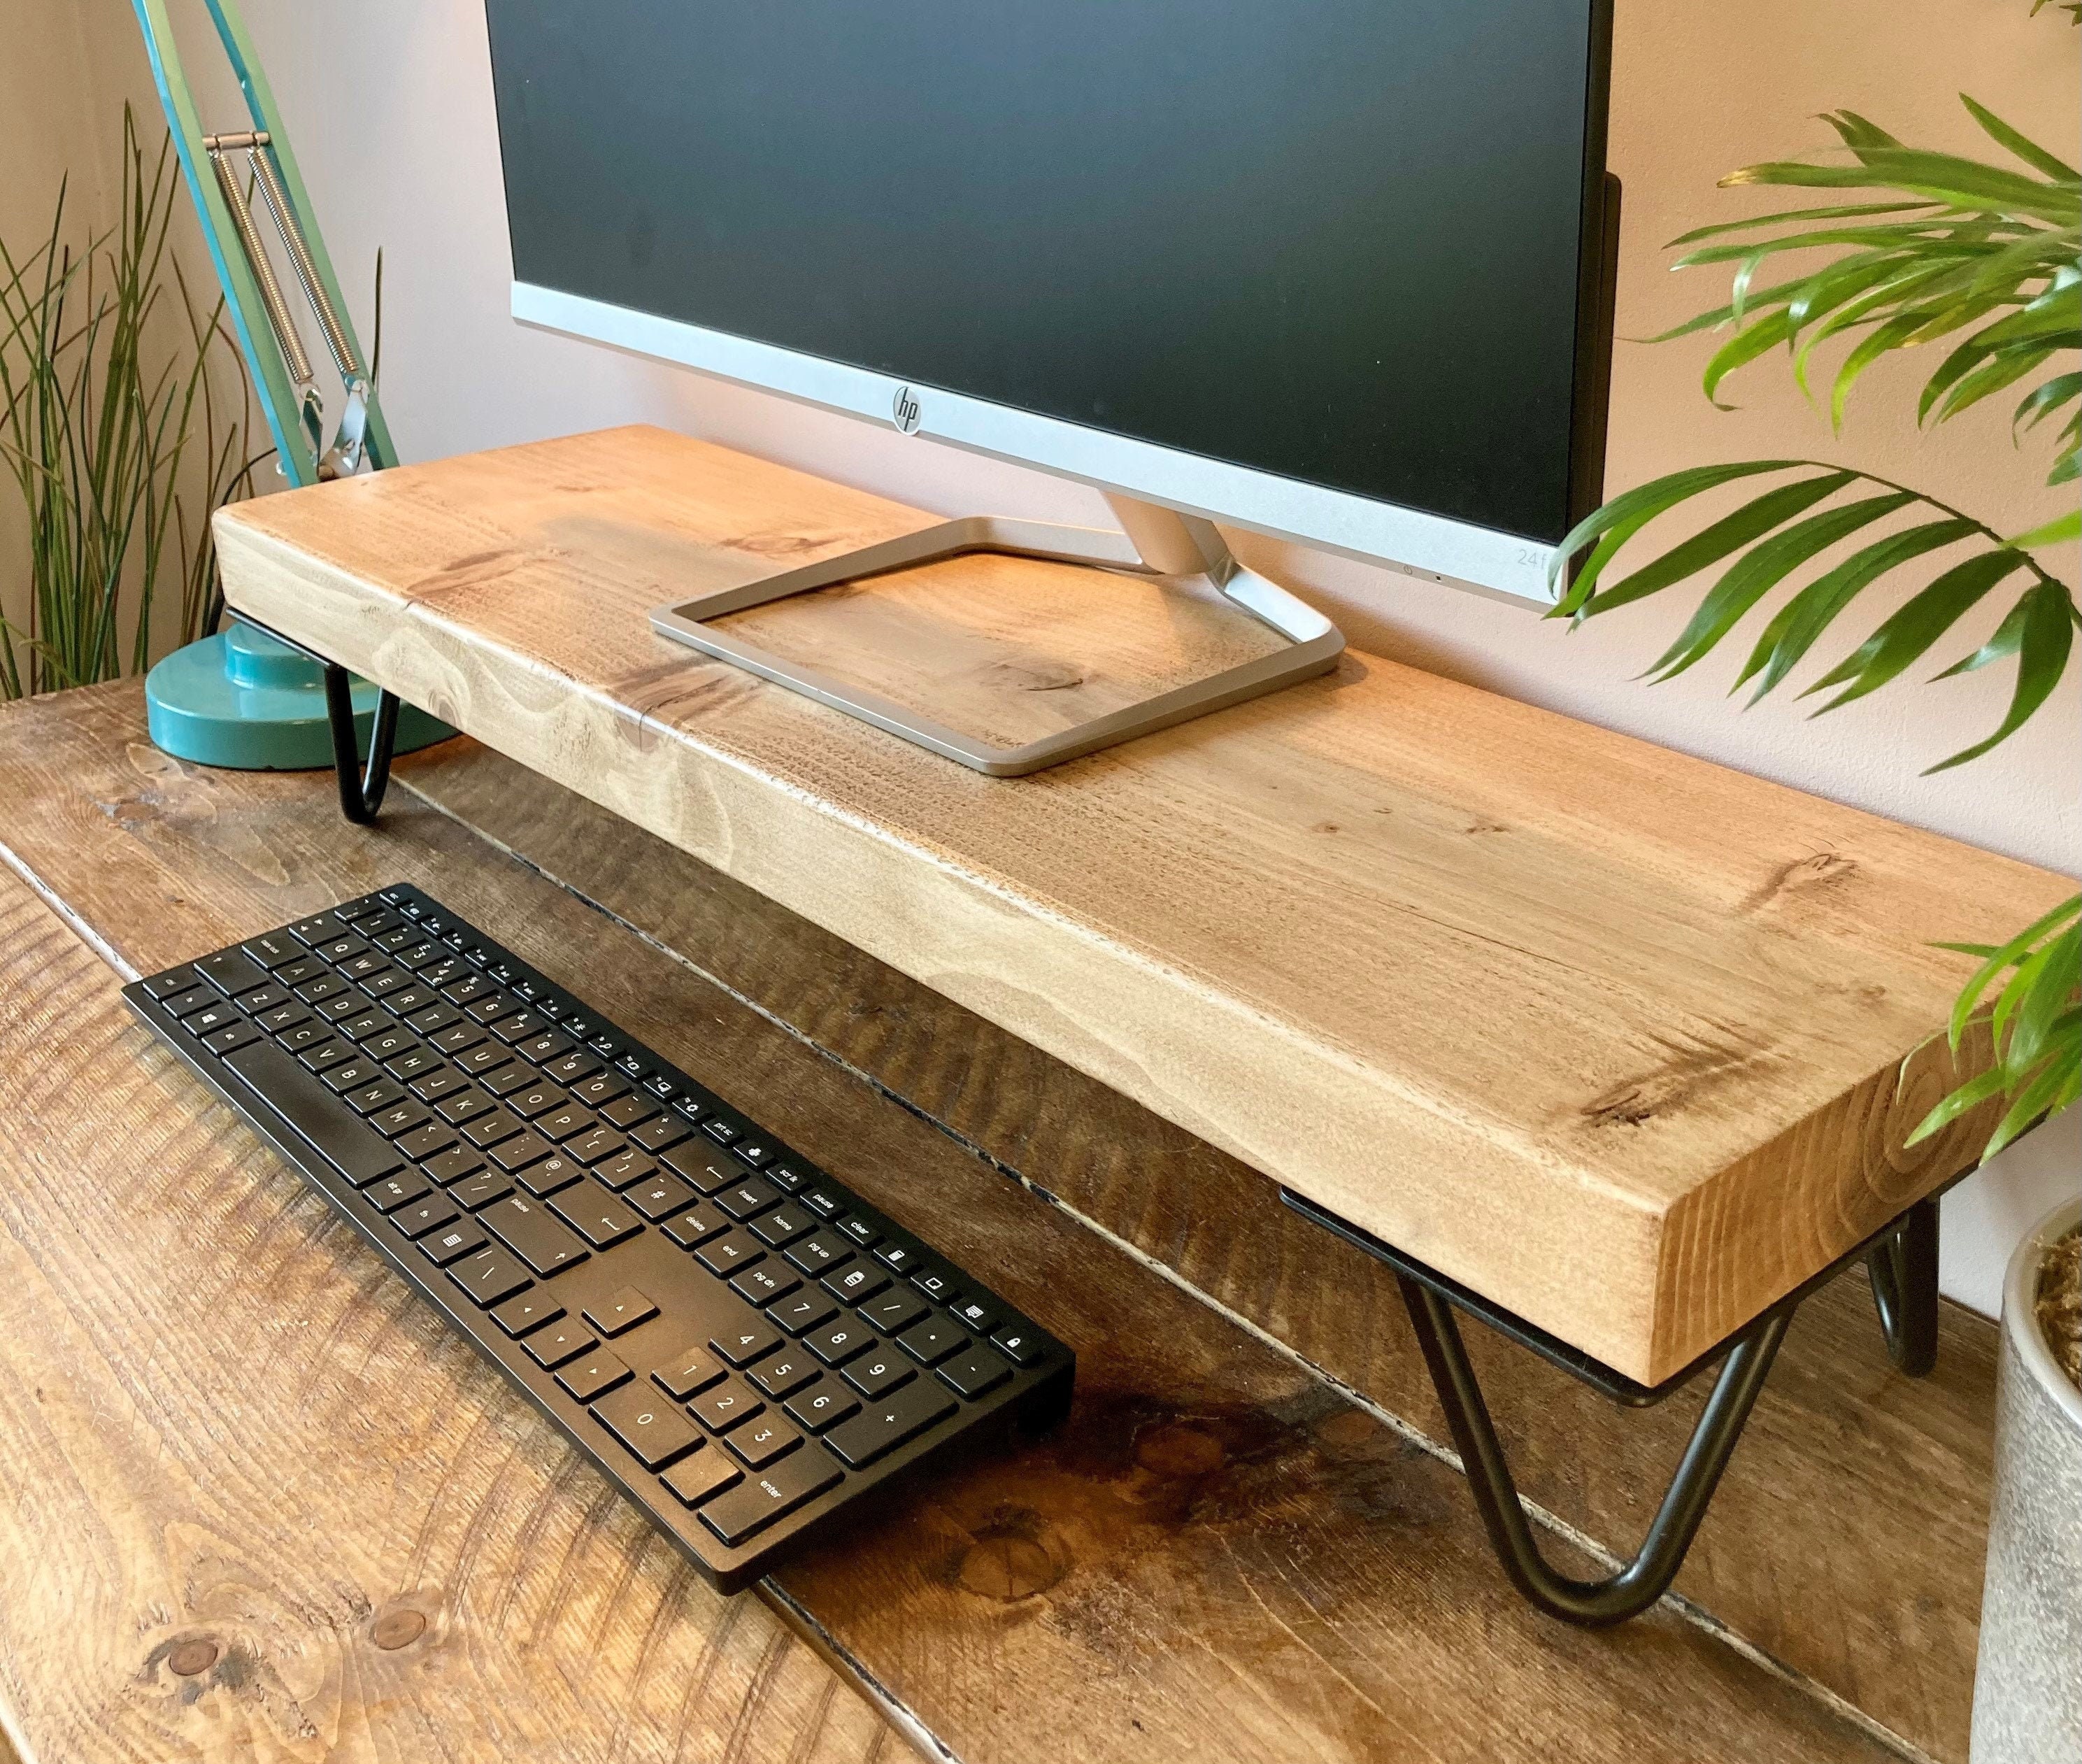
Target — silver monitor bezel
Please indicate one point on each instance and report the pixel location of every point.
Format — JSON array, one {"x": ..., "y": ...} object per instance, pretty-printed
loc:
[{"x": 1457, "y": 553}]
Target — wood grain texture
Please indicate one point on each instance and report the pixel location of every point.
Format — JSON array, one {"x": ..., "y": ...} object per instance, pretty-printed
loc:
[
  {"x": 1219, "y": 1557},
  {"x": 1609, "y": 1034},
  {"x": 262, "y": 1505},
  {"x": 1847, "y": 1538}
]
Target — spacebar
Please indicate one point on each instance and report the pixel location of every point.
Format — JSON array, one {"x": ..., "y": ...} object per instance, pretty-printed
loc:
[{"x": 361, "y": 1153}]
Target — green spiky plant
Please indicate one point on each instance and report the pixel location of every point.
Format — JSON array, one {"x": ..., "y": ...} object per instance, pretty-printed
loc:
[
  {"x": 116, "y": 431},
  {"x": 1986, "y": 258}
]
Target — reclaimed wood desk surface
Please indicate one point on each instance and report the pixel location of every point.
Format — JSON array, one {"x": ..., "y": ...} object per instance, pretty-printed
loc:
[
  {"x": 1608, "y": 1034},
  {"x": 258, "y": 1504}
]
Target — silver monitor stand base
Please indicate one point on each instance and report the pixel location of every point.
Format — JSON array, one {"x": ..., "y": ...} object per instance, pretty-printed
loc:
[{"x": 1154, "y": 541}]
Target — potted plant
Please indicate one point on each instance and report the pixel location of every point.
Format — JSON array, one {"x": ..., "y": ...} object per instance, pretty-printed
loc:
[
  {"x": 1984, "y": 257},
  {"x": 113, "y": 430}
]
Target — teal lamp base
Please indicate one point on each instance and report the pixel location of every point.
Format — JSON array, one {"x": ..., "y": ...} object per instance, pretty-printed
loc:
[{"x": 247, "y": 701}]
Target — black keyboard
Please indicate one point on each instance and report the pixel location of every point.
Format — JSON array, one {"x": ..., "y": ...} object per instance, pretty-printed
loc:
[{"x": 741, "y": 1343}]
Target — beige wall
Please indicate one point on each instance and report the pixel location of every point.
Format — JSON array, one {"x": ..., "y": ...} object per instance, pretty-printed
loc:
[{"x": 390, "y": 110}]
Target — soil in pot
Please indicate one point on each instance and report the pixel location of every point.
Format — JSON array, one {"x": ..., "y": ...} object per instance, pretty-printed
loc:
[{"x": 2059, "y": 1304}]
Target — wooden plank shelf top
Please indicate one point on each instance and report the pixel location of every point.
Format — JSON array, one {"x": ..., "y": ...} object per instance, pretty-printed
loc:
[{"x": 1610, "y": 1035}]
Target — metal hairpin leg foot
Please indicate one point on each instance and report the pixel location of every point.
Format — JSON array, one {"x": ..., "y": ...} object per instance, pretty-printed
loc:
[
  {"x": 1904, "y": 1273},
  {"x": 1643, "y": 1580},
  {"x": 360, "y": 789}
]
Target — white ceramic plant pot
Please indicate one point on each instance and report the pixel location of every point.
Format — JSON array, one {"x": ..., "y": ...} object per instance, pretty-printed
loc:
[{"x": 2028, "y": 1686}]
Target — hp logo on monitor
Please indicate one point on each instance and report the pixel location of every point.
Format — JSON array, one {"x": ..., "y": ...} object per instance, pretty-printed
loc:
[{"x": 903, "y": 410}]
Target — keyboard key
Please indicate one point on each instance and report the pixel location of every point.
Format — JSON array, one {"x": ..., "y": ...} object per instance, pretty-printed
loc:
[
  {"x": 295, "y": 973},
  {"x": 283, "y": 1019},
  {"x": 519, "y": 1152},
  {"x": 976, "y": 1372},
  {"x": 724, "y": 1406},
  {"x": 822, "y": 1201},
  {"x": 480, "y": 1190},
  {"x": 492, "y": 1129},
  {"x": 604, "y": 1091},
  {"x": 884, "y": 1425},
  {"x": 837, "y": 1343},
  {"x": 614, "y": 1316},
  {"x": 761, "y": 1286},
  {"x": 558, "y": 1344},
  {"x": 900, "y": 1258},
  {"x": 659, "y": 1135},
  {"x": 393, "y": 1192},
  {"x": 530, "y": 1311},
  {"x": 444, "y": 1081},
  {"x": 661, "y": 1197},
  {"x": 710, "y": 1172},
  {"x": 508, "y": 1078},
  {"x": 594, "y": 1376},
  {"x": 453, "y": 1164},
  {"x": 874, "y": 1374},
  {"x": 370, "y": 1097},
  {"x": 782, "y": 1226},
  {"x": 726, "y": 1254},
  {"x": 758, "y": 1443},
  {"x": 741, "y": 1512},
  {"x": 260, "y": 999},
  {"x": 351, "y": 1075},
  {"x": 626, "y": 1169},
  {"x": 481, "y": 1058},
  {"x": 975, "y": 1314},
  {"x": 600, "y": 1218},
  {"x": 544, "y": 1048},
  {"x": 381, "y": 1043},
  {"x": 405, "y": 1001},
  {"x": 534, "y": 1100},
  {"x": 565, "y": 1123},
  {"x": 360, "y": 1154},
  {"x": 304, "y": 1035},
  {"x": 743, "y": 1199},
  {"x": 519, "y": 1027},
  {"x": 746, "y": 1340},
  {"x": 490, "y": 1275},
  {"x": 893, "y": 1312},
  {"x": 801, "y": 1312},
  {"x": 452, "y": 1243},
  {"x": 782, "y": 1374},
  {"x": 414, "y": 1061},
  {"x": 457, "y": 1037},
  {"x": 325, "y": 1053},
  {"x": 232, "y": 1035},
  {"x": 435, "y": 1018},
  {"x": 423, "y": 1142},
  {"x": 789, "y": 1175},
  {"x": 464, "y": 1105},
  {"x": 596, "y": 1144},
  {"x": 233, "y": 972},
  {"x": 551, "y": 1175},
  {"x": 935, "y": 1282},
  {"x": 932, "y": 1340},
  {"x": 862, "y": 1231},
  {"x": 399, "y": 1119},
  {"x": 571, "y": 1067},
  {"x": 823, "y": 1404},
  {"x": 695, "y": 1226},
  {"x": 1017, "y": 1345},
  {"x": 851, "y": 1284},
  {"x": 821, "y": 1250},
  {"x": 525, "y": 1228},
  {"x": 688, "y": 1375},
  {"x": 316, "y": 992},
  {"x": 652, "y": 1430},
  {"x": 271, "y": 950},
  {"x": 423, "y": 1216},
  {"x": 618, "y": 1108},
  {"x": 702, "y": 1477}
]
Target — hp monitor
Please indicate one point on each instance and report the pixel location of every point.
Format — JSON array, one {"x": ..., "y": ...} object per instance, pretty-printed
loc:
[{"x": 1336, "y": 271}]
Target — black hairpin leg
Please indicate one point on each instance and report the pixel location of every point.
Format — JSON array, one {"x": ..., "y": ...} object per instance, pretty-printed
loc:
[
  {"x": 1643, "y": 1580},
  {"x": 1904, "y": 1267},
  {"x": 360, "y": 790}
]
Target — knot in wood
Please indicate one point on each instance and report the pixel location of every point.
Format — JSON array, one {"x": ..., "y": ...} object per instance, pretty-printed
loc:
[
  {"x": 397, "y": 1629},
  {"x": 1006, "y": 1566},
  {"x": 188, "y": 1659},
  {"x": 1180, "y": 1449}
]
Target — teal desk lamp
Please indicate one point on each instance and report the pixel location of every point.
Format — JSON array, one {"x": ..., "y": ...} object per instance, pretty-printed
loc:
[{"x": 245, "y": 698}]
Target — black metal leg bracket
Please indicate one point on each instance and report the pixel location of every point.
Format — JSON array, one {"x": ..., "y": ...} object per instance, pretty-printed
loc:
[
  {"x": 361, "y": 787},
  {"x": 1902, "y": 1260}
]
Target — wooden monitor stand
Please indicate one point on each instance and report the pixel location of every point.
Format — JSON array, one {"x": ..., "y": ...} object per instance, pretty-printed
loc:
[{"x": 1610, "y": 1038}]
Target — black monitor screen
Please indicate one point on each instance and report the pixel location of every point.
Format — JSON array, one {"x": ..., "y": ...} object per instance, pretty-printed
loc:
[{"x": 1336, "y": 240}]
